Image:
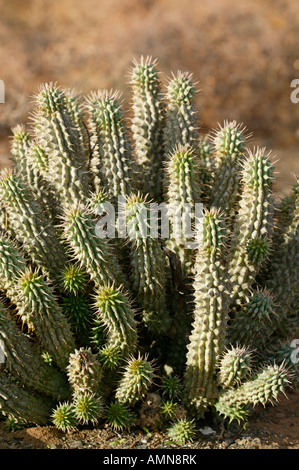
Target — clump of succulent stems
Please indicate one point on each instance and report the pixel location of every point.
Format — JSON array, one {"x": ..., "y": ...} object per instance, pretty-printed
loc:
[{"x": 100, "y": 305}]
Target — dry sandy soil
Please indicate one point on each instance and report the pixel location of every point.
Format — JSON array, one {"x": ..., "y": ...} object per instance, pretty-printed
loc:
[{"x": 269, "y": 428}]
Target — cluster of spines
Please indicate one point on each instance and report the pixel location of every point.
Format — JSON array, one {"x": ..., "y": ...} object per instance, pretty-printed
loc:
[{"x": 264, "y": 387}]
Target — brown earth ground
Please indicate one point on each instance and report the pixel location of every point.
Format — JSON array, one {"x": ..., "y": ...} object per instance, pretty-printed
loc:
[
  {"x": 272, "y": 427},
  {"x": 244, "y": 55}
]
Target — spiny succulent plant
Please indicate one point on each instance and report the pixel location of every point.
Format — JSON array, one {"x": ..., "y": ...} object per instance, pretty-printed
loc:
[
  {"x": 64, "y": 417},
  {"x": 88, "y": 408},
  {"x": 169, "y": 409},
  {"x": 84, "y": 372},
  {"x": 234, "y": 366},
  {"x": 103, "y": 310},
  {"x": 206, "y": 342},
  {"x": 119, "y": 416},
  {"x": 182, "y": 431},
  {"x": 136, "y": 380},
  {"x": 264, "y": 387}
]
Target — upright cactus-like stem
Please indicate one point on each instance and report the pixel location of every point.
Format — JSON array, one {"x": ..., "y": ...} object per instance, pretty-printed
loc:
[
  {"x": 252, "y": 231},
  {"x": 20, "y": 144},
  {"x": 283, "y": 272},
  {"x": 50, "y": 324},
  {"x": 206, "y": 164},
  {"x": 76, "y": 110},
  {"x": 91, "y": 251},
  {"x": 147, "y": 124},
  {"x": 23, "y": 404},
  {"x": 182, "y": 194},
  {"x": 12, "y": 264},
  {"x": 148, "y": 263},
  {"x": 114, "y": 313},
  {"x": 229, "y": 145},
  {"x": 206, "y": 342},
  {"x": 56, "y": 132},
  {"x": 37, "y": 172},
  {"x": 24, "y": 362},
  {"x": 32, "y": 229},
  {"x": 111, "y": 161},
  {"x": 181, "y": 126}
]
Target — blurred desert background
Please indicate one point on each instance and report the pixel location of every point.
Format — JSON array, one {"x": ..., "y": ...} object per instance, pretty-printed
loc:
[{"x": 243, "y": 55}]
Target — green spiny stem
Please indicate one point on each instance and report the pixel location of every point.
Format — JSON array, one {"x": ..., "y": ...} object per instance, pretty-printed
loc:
[
  {"x": 20, "y": 144},
  {"x": 283, "y": 276},
  {"x": 135, "y": 381},
  {"x": 206, "y": 164},
  {"x": 76, "y": 110},
  {"x": 33, "y": 230},
  {"x": 84, "y": 372},
  {"x": 22, "y": 404},
  {"x": 12, "y": 264},
  {"x": 64, "y": 417},
  {"x": 88, "y": 408},
  {"x": 182, "y": 194},
  {"x": 14, "y": 424},
  {"x": 37, "y": 172},
  {"x": 229, "y": 145},
  {"x": 171, "y": 387},
  {"x": 234, "y": 366},
  {"x": 182, "y": 431},
  {"x": 73, "y": 280},
  {"x": 92, "y": 252},
  {"x": 181, "y": 117},
  {"x": 26, "y": 364},
  {"x": 119, "y": 416},
  {"x": 111, "y": 162},
  {"x": 50, "y": 324},
  {"x": 115, "y": 314},
  {"x": 253, "y": 225},
  {"x": 265, "y": 387},
  {"x": 257, "y": 320},
  {"x": 169, "y": 409},
  {"x": 285, "y": 353},
  {"x": 56, "y": 132},
  {"x": 206, "y": 342},
  {"x": 97, "y": 201},
  {"x": 78, "y": 311},
  {"x": 147, "y": 123},
  {"x": 149, "y": 268}
]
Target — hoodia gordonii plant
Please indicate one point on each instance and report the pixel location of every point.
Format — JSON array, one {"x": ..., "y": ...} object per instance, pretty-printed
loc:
[{"x": 140, "y": 257}]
